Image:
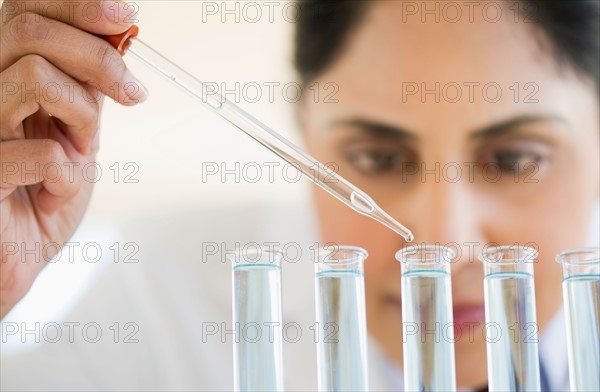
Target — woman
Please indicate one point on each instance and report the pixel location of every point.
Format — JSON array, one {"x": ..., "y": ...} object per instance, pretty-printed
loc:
[
  {"x": 396, "y": 134},
  {"x": 468, "y": 123}
]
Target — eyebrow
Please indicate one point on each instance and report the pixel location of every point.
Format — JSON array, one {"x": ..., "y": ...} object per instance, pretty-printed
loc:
[
  {"x": 511, "y": 125},
  {"x": 376, "y": 128},
  {"x": 503, "y": 127}
]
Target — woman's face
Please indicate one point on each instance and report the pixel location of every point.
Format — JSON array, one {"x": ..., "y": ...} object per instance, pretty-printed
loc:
[{"x": 505, "y": 152}]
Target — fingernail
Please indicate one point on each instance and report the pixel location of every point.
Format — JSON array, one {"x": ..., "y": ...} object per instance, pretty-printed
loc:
[
  {"x": 119, "y": 11},
  {"x": 134, "y": 89}
]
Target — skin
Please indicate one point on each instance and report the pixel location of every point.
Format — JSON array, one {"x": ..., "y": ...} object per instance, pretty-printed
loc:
[
  {"x": 50, "y": 43},
  {"x": 548, "y": 205}
]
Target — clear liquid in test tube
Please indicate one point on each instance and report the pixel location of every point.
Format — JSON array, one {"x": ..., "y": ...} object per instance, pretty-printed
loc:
[
  {"x": 341, "y": 319},
  {"x": 581, "y": 296},
  {"x": 511, "y": 326},
  {"x": 257, "y": 317},
  {"x": 427, "y": 322}
]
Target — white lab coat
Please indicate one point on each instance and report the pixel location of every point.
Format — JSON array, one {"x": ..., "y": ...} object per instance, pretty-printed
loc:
[{"x": 168, "y": 304}]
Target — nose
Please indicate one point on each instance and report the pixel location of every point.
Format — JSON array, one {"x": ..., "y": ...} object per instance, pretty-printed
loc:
[{"x": 448, "y": 213}]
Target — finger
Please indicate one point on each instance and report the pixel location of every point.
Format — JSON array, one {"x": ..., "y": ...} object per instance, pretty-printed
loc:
[
  {"x": 105, "y": 17},
  {"x": 37, "y": 161},
  {"x": 43, "y": 86},
  {"x": 85, "y": 57}
]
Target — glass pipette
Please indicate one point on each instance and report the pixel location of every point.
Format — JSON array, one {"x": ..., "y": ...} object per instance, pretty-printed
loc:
[{"x": 320, "y": 174}]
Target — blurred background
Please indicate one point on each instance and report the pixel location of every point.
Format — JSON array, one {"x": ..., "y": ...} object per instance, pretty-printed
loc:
[{"x": 171, "y": 137}]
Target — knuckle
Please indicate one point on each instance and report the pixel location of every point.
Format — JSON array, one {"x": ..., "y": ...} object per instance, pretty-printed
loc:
[
  {"x": 33, "y": 68},
  {"x": 89, "y": 121},
  {"x": 52, "y": 151},
  {"x": 9, "y": 125},
  {"x": 29, "y": 27},
  {"x": 107, "y": 57}
]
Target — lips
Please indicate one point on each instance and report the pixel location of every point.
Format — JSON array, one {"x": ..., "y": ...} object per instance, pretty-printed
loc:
[
  {"x": 464, "y": 314},
  {"x": 471, "y": 314}
]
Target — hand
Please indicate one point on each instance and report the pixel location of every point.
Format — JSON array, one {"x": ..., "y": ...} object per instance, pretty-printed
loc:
[{"x": 53, "y": 74}]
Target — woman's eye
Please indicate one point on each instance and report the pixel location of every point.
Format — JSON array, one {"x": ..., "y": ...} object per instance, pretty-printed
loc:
[
  {"x": 520, "y": 162},
  {"x": 375, "y": 161}
]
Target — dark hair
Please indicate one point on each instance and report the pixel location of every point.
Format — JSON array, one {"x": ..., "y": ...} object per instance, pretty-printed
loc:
[
  {"x": 571, "y": 27},
  {"x": 321, "y": 31}
]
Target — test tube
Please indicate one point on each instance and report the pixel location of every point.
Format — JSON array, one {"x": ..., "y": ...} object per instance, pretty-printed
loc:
[
  {"x": 511, "y": 327},
  {"x": 427, "y": 322},
  {"x": 257, "y": 319},
  {"x": 581, "y": 296},
  {"x": 341, "y": 319}
]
